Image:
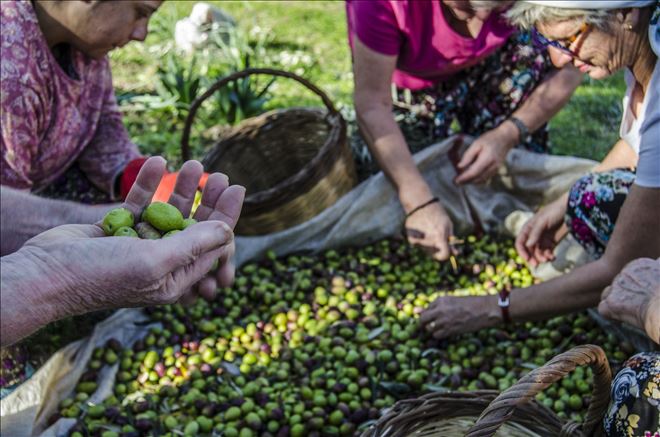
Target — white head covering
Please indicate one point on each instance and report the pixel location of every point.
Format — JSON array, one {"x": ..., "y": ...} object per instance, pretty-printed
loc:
[
  {"x": 592, "y": 4},
  {"x": 654, "y": 29}
]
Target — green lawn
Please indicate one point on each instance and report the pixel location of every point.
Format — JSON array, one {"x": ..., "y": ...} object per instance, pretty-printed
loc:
[{"x": 309, "y": 38}]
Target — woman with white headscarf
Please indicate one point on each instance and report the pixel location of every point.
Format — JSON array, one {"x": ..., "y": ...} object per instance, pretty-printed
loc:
[{"x": 599, "y": 38}]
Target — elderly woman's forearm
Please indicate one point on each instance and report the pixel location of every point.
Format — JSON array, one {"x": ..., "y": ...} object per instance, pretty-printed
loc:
[
  {"x": 576, "y": 291},
  {"x": 24, "y": 215},
  {"x": 621, "y": 155},
  {"x": 548, "y": 97},
  {"x": 26, "y": 290},
  {"x": 635, "y": 236},
  {"x": 387, "y": 144}
]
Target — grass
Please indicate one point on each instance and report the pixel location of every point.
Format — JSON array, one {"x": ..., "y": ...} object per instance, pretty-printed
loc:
[{"x": 586, "y": 127}]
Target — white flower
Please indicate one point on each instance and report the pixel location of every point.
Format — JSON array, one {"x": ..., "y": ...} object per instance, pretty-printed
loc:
[{"x": 625, "y": 384}]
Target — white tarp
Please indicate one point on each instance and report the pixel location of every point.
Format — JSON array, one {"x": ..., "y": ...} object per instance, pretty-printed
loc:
[{"x": 368, "y": 213}]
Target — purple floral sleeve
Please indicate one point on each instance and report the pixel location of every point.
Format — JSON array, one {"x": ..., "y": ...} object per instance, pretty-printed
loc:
[
  {"x": 52, "y": 119},
  {"x": 20, "y": 126}
]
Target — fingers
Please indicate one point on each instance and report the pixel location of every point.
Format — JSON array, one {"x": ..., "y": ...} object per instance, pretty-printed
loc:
[
  {"x": 228, "y": 206},
  {"x": 469, "y": 156},
  {"x": 526, "y": 242},
  {"x": 188, "y": 298},
  {"x": 215, "y": 185},
  {"x": 226, "y": 271},
  {"x": 535, "y": 231},
  {"x": 442, "y": 253},
  {"x": 604, "y": 309},
  {"x": 207, "y": 288},
  {"x": 187, "y": 246},
  {"x": 475, "y": 170},
  {"x": 145, "y": 185},
  {"x": 438, "y": 248},
  {"x": 487, "y": 173},
  {"x": 521, "y": 239},
  {"x": 433, "y": 321},
  {"x": 186, "y": 185},
  {"x": 428, "y": 315},
  {"x": 431, "y": 229},
  {"x": 606, "y": 292}
]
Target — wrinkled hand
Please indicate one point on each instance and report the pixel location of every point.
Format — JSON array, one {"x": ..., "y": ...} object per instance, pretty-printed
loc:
[
  {"x": 430, "y": 228},
  {"x": 542, "y": 232},
  {"x": 219, "y": 202},
  {"x": 97, "y": 272},
  {"x": 634, "y": 297},
  {"x": 484, "y": 156},
  {"x": 451, "y": 315}
]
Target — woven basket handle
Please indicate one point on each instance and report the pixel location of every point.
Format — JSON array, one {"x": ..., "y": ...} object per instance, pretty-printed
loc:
[
  {"x": 501, "y": 409},
  {"x": 185, "y": 148}
]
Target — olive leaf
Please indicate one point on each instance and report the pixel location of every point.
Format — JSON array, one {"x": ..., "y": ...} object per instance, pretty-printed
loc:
[
  {"x": 396, "y": 389},
  {"x": 374, "y": 333},
  {"x": 231, "y": 368}
]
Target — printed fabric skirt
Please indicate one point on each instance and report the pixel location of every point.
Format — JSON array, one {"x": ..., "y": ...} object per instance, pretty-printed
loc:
[
  {"x": 594, "y": 203},
  {"x": 635, "y": 398},
  {"x": 473, "y": 102}
]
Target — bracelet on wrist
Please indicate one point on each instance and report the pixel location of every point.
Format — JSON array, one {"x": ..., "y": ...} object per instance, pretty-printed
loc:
[
  {"x": 503, "y": 302},
  {"x": 422, "y": 206},
  {"x": 523, "y": 132}
]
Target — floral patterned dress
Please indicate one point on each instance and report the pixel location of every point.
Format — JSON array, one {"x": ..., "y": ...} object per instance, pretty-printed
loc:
[
  {"x": 594, "y": 203},
  {"x": 635, "y": 406},
  {"x": 478, "y": 99}
]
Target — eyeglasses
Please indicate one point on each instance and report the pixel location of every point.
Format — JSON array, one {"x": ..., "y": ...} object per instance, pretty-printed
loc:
[{"x": 563, "y": 44}]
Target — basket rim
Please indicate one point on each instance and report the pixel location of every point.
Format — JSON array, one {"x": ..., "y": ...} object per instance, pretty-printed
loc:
[
  {"x": 324, "y": 159},
  {"x": 531, "y": 415}
]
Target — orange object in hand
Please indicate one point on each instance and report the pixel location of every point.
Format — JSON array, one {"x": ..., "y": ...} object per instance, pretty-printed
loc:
[{"x": 165, "y": 188}]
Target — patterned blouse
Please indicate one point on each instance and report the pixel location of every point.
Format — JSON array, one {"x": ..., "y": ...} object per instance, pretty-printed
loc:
[{"x": 51, "y": 119}]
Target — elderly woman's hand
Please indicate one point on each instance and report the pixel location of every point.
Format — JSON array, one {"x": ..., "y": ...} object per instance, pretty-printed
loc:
[
  {"x": 431, "y": 229},
  {"x": 541, "y": 233},
  {"x": 484, "y": 157},
  {"x": 452, "y": 315},
  {"x": 634, "y": 297},
  {"x": 105, "y": 272}
]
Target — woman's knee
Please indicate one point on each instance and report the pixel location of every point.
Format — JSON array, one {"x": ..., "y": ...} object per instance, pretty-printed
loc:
[{"x": 594, "y": 203}]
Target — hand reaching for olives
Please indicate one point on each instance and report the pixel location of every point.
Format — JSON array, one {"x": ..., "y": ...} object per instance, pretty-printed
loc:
[
  {"x": 634, "y": 297},
  {"x": 73, "y": 269},
  {"x": 431, "y": 228},
  {"x": 452, "y": 315},
  {"x": 539, "y": 236}
]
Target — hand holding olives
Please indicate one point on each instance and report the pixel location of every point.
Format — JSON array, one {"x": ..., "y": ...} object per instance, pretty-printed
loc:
[{"x": 75, "y": 271}]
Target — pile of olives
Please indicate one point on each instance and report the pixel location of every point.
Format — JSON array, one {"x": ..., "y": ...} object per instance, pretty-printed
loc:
[
  {"x": 318, "y": 345},
  {"x": 159, "y": 220}
]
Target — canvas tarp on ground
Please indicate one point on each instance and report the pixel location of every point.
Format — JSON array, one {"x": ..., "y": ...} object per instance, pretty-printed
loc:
[{"x": 368, "y": 213}]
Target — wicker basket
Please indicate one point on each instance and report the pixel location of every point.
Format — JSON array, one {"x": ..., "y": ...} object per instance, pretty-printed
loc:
[
  {"x": 513, "y": 413},
  {"x": 293, "y": 162}
]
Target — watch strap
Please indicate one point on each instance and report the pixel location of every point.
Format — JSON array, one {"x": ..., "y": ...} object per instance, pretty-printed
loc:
[{"x": 523, "y": 132}]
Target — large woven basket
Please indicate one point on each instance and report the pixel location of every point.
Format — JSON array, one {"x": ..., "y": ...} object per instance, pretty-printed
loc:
[
  {"x": 293, "y": 162},
  {"x": 513, "y": 413}
]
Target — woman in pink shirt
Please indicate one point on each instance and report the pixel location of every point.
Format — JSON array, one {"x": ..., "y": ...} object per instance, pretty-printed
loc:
[{"x": 450, "y": 61}]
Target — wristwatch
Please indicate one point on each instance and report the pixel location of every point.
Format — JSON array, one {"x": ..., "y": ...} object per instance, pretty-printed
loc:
[{"x": 523, "y": 133}]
